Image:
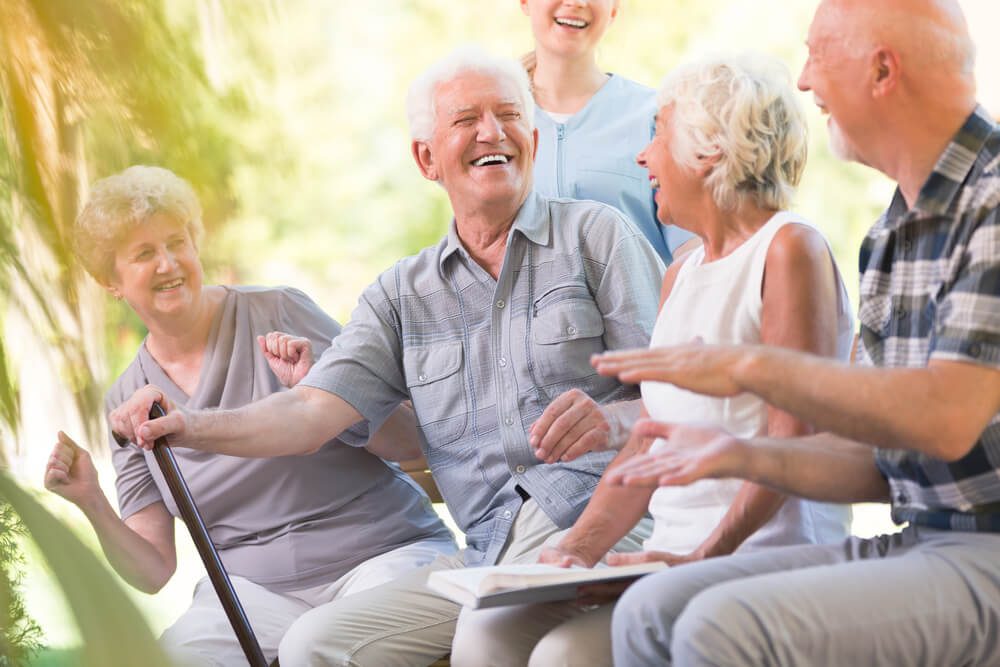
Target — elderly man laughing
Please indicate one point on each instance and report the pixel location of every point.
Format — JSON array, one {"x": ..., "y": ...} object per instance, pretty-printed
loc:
[{"x": 479, "y": 331}]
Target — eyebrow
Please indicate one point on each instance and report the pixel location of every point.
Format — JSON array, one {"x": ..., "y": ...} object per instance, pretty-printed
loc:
[{"x": 457, "y": 111}]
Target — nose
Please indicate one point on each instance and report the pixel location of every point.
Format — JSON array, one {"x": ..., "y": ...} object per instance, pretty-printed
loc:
[
  {"x": 166, "y": 260},
  {"x": 803, "y": 82},
  {"x": 491, "y": 129},
  {"x": 640, "y": 159}
]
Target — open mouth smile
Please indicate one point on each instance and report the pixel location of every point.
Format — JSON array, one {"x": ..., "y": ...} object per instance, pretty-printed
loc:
[
  {"x": 172, "y": 284},
  {"x": 580, "y": 24},
  {"x": 490, "y": 160}
]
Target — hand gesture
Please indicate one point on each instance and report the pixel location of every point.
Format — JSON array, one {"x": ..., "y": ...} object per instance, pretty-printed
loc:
[
  {"x": 691, "y": 453},
  {"x": 703, "y": 369},
  {"x": 70, "y": 472},
  {"x": 130, "y": 421},
  {"x": 290, "y": 357},
  {"x": 572, "y": 425}
]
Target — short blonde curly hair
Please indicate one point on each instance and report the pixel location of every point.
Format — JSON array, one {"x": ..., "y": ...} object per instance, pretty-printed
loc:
[
  {"x": 740, "y": 110},
  {"x": 120, "y": 203}
]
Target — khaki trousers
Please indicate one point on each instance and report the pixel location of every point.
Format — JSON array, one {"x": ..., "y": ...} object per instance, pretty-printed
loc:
[{"x": 403, "y": 623}]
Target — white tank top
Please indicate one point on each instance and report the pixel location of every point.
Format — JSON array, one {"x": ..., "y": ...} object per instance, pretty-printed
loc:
[{"x": 720, "y": 302}]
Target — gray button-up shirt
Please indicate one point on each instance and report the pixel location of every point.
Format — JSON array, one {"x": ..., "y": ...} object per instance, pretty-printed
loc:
[{"x": 481, "y": 358}]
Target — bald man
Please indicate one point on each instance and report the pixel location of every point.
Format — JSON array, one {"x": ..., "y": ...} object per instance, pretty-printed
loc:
[{"x": 915, "y": 422}]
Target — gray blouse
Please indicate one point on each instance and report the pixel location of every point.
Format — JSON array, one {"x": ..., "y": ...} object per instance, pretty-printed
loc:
[{"x": 288, "y": 522}]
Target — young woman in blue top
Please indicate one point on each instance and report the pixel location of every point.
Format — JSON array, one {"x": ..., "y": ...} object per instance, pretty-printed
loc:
[{"x": 591, "y": 124}]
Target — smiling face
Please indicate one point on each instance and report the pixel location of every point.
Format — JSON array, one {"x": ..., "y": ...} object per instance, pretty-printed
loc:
[
  {"x": 482, "y": 148},
  {"x": 677, "y": 189},
  {"x": 837, "y": 78},
  {"x": 569, "y": 28},
  {"x": 157, "y": 270}
]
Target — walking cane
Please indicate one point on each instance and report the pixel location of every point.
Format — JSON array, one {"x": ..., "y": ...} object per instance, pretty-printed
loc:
[{"x": 203, "y": 542}]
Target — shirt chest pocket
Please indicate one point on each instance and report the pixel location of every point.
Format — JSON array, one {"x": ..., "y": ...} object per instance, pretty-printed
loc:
[
  {"x": 437, "y": 389},
  {"x": 566, "y": 329}
]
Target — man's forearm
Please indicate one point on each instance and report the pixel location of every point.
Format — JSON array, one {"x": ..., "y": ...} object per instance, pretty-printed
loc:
[
  {"x": 896, "y": 408},
  {"x": 298, "y": 421},
  {"x": 822, "y": 467}
]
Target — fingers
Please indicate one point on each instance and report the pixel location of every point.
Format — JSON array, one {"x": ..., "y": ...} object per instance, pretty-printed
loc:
[
  {"x": 127, "y": 417},
  {"x": 285, "y": 346},
  {"x": 651, "y": 428},
  {"x": 152, "y": 430},
  {"x": 638, "y": 557},
  {"x": 630, "y": 558},
  {"x": 540, "y": 429},
  {"x": 643, "y": 470},
  {"x": 611, "y": 362},
  {"x": 572, "y": 425}
]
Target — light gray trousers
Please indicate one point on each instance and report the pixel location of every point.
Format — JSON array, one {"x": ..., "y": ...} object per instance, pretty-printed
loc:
[{"x": 921, "y": 597}]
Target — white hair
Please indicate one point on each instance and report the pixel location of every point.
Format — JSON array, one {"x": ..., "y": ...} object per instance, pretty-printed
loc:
[
  {"x": 120, "y": 203},
  {"x": 420, "y": 109},
  {"x": 741, "y": 112}
]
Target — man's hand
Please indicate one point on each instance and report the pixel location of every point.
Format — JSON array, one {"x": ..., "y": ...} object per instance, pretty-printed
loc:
[
  {"x": 290, "y": 357},
  {"x": 130, "y": 420},
  {"x": 703, "y": 369},
  {"x": 572, "y": 425},
  {"x": 691, "y": 453},
  {"x": 70, "y": 473}
]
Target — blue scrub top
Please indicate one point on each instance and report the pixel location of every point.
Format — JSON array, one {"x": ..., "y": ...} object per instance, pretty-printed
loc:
[{"x": 592, "y": 156}]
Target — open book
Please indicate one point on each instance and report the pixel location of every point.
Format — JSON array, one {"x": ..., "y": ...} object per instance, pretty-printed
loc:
[{"x": 499, "y": 585}]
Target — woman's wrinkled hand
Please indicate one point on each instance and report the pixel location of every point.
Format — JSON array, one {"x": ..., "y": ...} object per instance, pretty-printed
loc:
[{"x": 290, "y": 357}]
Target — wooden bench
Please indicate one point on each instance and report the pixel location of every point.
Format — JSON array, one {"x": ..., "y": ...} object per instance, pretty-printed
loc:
[{"x": 418, "y": 471}]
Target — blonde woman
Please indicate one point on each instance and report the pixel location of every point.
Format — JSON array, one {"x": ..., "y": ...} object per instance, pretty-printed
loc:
[
  {"x": 296, "y": 533},
  {"x": 729, "y": 149}
]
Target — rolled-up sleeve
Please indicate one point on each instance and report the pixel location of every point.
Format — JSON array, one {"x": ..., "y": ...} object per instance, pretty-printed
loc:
[{"x": 364, "y": 365}]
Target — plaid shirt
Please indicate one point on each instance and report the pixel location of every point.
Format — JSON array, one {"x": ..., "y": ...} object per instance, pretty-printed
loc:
[
  {"x": 481, "y": 358},
  {"x": 930, "y": 290}
]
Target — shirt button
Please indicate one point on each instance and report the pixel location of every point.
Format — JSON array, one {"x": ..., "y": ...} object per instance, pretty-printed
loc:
[
  {"x": 900, "y": 313},
  {"x": 503, "y": 362},
  {"x": 422, "y": 377},
  {"x": 975, "y": 349},
  {"x": 500, "y": 303},
  {"x": 571, "y": 330},
  {"x": 519, "y": 470},
  {"x": 901, "y": 498},
  {"x": 508, "y": 421},
  {"x": 506, "y": 514}
]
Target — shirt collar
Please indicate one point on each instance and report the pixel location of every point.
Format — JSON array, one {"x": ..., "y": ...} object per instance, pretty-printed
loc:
[
  {"x": 949, "y": 173},
  {"x": 532, "y": 220}
]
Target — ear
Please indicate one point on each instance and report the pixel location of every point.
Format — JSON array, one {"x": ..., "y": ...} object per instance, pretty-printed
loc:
[
  {"x": 425, "y": 161},
  {"x": 524, "y": 7},
  {"x": 706, "y": 163},
  {"x": 614, "y": 9},
  {"x": 534, "y": 144},
  {"x": 885, "y": 71}
]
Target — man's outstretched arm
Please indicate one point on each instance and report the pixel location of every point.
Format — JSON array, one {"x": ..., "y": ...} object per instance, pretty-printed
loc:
[
  {"x": 298, "y": 421},
  {"x": 940, "y": 410}
]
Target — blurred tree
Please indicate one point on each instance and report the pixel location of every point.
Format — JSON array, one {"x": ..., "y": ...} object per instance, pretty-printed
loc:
[{"x": 87, "y": 88}]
